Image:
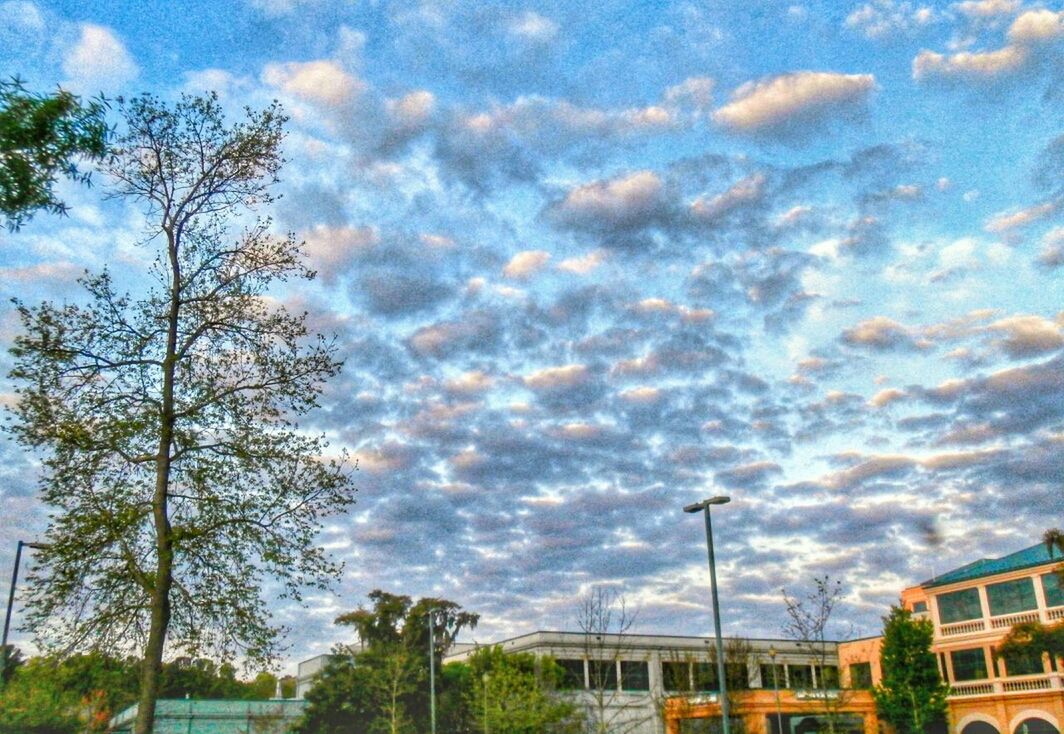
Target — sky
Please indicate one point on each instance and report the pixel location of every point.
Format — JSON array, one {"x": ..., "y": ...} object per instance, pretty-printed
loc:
[{"x": 588, "y": 263}]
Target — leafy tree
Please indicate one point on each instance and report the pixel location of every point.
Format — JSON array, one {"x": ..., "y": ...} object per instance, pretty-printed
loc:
[
  {"x": 515, "y": 693},
  {"x": 380, "y": 685},
  {"x": 809, "y": 621},
  {"x": 911, "y": 697},
  {"x": 176, "y": 475},
  {"x": 41, "y": 137}
]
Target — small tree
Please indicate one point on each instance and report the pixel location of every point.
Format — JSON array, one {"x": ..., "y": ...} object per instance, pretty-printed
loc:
[
  {"x": 516, "y": 694},
  {"x": 809, "y": 619},
  {"x": 41, "y": 138},
  {"x": 606, "y": 622},
  {"x": 689, "y": 675},
  {"x": 177, "y": 477},
  {"x": 911, "y": 697}
]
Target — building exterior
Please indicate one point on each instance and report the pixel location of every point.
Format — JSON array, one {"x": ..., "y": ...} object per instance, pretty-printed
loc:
[
  {"x": 185, "y": 716},
  {"x": 648, "y": 684},
  {"x": 973, "y": 608}
]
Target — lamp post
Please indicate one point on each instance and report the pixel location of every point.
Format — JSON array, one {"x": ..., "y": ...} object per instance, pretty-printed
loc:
[
  {"x": 486, "y": 678},
  {"x": 11, "y": 598},
  {"x": 704, "y": 506},
  {"x": 432, "y": 668},
  {"x": 776, "y": 689}
]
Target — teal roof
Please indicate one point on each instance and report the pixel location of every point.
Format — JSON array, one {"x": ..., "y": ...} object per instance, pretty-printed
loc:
[{"x": 1036, "y": 555}]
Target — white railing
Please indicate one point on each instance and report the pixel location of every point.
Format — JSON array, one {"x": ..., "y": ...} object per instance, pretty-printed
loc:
[
  {"x": 1055, "y": 614},
  {"x": 1013, "y": 684},
  {"x": 1036, "y": 683},
  {"x": 962, "y": 628},
  {"x": 971, "y": 689},
  {"x": 1007, "y": 620}
]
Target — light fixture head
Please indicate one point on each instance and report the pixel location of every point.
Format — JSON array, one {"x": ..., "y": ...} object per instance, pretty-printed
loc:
[{"x": 699, "y": 506}]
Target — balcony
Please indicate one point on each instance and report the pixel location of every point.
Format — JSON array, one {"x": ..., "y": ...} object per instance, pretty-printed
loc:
[
  {"x": 1001, "y": 622},
  {"x": 1018, "y": 684}
]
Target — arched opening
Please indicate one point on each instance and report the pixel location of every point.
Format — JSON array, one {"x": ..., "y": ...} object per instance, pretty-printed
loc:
[
  {"x": 980, "y": 727},
  {"x": 1035, "y": 726}
]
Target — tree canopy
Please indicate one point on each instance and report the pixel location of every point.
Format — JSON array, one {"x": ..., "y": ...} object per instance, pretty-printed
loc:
[
  {"x": 41, "y": 138},
  {"x": 381, "y": 683},
  {"x": 178, "y": 478},
  {"x": 911, "y": 695}
]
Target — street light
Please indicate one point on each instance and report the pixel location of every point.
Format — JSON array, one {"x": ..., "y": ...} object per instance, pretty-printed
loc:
[
  {"x": 704, "y": 506},
  {"x": 11, "y": 597},
  {"x": 432, "y": 668},
  {"x": 776, "y": 688}
]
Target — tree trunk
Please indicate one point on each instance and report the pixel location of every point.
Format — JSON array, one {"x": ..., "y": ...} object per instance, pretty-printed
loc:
[{"x": 164, "y": 573}]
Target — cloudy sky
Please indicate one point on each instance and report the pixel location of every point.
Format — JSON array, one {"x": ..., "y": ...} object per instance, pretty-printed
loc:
[{"x": 589, "y": 262}]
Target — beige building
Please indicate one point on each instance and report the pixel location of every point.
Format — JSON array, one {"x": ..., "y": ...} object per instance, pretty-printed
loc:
[{"x": 973, "y": 608}]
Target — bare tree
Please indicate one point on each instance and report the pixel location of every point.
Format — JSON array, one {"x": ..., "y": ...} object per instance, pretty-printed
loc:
[
  {"x": 606, "y": 622},
  {"x": 689, "y": 675},
  {"x": 809, "y": 618}
]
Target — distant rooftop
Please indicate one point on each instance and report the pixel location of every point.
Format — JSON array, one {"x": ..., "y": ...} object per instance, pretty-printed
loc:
[{"x": 1036, "y": 555}]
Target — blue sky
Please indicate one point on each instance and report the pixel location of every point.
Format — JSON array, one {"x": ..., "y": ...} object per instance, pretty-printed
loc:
[{"x": 590, "y": 264}]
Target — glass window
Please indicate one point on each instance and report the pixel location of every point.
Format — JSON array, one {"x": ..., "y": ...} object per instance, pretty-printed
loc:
[
  {"x": 861, "y": 675},
  {"x": 572, "y": 673},
  {"x": 705, "y": 675},
  {"x": 1053, "y": 586},
  {"x": 958, "y": 606},
  {"x": 919, "y": 607},
  {"x": 767, "y": 679},
  {"x": 1028, "y": 663},
  {"x": 635, "y": 675},
  {"x": 1010, "y": 597},
  {"x": 801, "y": 676},
  {"x": 602, "y": 675},
  {"x": 969, "y": 664},
  {"x": 827, "y": 676},
  {"x": 676, "y": 676},
  {"x": 738, "y": 676}
]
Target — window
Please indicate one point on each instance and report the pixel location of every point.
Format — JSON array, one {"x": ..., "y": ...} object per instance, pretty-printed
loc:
[
  {"x": 861, "y": 675},
  {"x": 958, "y": 606},
  {"x": 738, "y": 676},
  {"x": 827, "y": 676},
  {"x": 969, "y": 664},
  {"x": 602, "y": 675},
  {"x": 572, "y": 673},
  {"x": 801, "y": 676},
  {"x": 1053, "y": 586},
  {"x": 676, "y": 676},
  {"x": 919, "y": 607},
  {"x": 1029, "y": 663},
  {"x": 767, "y": 676},
  {"x": 635, "y": 675},
  {"x": 1010, "y": 597},
  {"x": 705, "y": 675}
]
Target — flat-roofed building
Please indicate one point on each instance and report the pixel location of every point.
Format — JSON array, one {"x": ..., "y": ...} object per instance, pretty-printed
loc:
[{"x": 642, "y": 683}]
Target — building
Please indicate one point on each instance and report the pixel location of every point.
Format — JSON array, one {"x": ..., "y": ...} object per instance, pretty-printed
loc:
[
  {"x": 648, "y": 684},
  {"x": 191, "y": 716},
  {"x": 973, "y": 608}
]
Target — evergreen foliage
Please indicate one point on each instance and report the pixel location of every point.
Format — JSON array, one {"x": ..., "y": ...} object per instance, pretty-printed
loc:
[{"x": 911, "y": 696}]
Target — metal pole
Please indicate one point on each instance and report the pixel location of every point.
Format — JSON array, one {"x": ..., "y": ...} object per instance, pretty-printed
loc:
[
  {"x": 716, "y": 623},
  {"x": 776, "y": 688},
  {"x": 485, "y": 678},
  {"x": 10, "y": 607},
  {"x": 432, "y": 670}
]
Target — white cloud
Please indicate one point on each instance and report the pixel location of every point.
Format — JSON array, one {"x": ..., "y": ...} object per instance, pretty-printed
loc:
[
  {"x": 532, "y": 26},
  {"x": 319, "y": 82},
  {"x": 987, "y": 8},
  {"x": 1007, "y": 221},
  {"x": 1037, "y": 26},
  {"x": 98, "y": 62},
  {"x": 526, "y": 264},
  {"x": 884, "y": 18},
  {"x": 584, "y": 264},
  {"x": 981, "y": 65},
  {"x": 552, "y": 378},
  {"x": 774, "y": 103}
]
